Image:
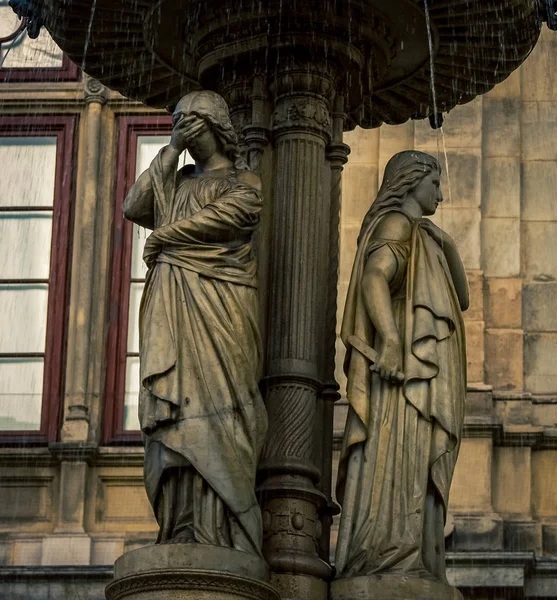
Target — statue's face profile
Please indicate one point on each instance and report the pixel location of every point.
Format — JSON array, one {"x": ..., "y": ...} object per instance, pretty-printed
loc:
[{"x": 428, "y": 193}]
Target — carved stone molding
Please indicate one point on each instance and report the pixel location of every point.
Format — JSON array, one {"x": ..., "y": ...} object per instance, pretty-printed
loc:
[{"x": 216, "y": 583}]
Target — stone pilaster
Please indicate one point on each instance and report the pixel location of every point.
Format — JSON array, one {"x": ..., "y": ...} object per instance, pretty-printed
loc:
[
  {"x": 290, "y": 470},
  {"x": 76, "y": 410}
]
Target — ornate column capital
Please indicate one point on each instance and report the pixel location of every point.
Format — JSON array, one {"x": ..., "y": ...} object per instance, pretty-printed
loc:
[{"x": 95, "y": 91}]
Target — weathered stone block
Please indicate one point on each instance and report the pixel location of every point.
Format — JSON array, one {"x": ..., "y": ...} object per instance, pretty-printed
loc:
[
  {"x": 501, "y": 246},
  {"x": 501, "y": 127},
  {"x": 479, "y": 403},
  {"x": 348, "y": 245},
  {"x": 549, "y": 538},
  {"x": 503, "y": 303},
  {"x": 539, "y": 243},
  {"x": 475, "y": 351},
  {"x": 514, "y": 410},
  {"x": 544, "y": 412},
  {"x": 539, "y": 131},
  {"x": 106, "y": 550},
  {"x": 474, "y": 458},
  {"x": 510, "y": 88},
  {"x": 364, "y": 145},
  {"x": 464, "y": 176},
  {"x": 359, "y": 188},
  {"x": 475, "y": 311},
  {"x": 504, "y": 363},
  {"x": 462, "y": 128},
  {"x": 27, "y": 552},
  {"x": 395, "y": 138},
  {"x": 511, "y": 482},
  {"x": 540, "y": 306},
  {"x": 522, "y": 536},
  {"x": 463, "y": 225},
  {"x": 66, "y": 550},
  {"x": 476, "y": 533},
  {"x": 540, "y": 372},
  {"x": 501, "y": 187},
  {"x": 536, "y": 84},
  {"x": 544, "y": 483},
  {"x": 539, "y": 190}
]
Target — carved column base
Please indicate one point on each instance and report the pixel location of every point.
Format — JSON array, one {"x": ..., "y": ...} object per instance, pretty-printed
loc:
[
  {"x": 392, "y": 587},
  {"x": 190, "y": 572}
]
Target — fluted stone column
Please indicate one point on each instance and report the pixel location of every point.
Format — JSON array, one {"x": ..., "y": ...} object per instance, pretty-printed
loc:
[{"x": 290, "y": 471}]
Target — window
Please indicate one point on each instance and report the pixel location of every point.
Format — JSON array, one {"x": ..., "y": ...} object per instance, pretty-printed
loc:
[
  {"x": 140, "y": 138},
  {"x": 36, "y": 156},
  {"x": 24, "y": 59}
]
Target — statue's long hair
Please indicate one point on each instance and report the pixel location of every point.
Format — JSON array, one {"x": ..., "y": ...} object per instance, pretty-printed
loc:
[
  {"x": 213, "y": 110},
  {"x": 403, "y": 173}
]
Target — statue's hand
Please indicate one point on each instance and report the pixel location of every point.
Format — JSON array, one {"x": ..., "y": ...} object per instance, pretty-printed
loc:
[
  {"x": 389, "y": 363},
  {"x": 185, "y": 130}
]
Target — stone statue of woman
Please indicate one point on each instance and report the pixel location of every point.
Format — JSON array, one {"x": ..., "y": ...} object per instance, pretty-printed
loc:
[
  {"x": 201, "y": 413},
  {"x": 405, "y": 300}
]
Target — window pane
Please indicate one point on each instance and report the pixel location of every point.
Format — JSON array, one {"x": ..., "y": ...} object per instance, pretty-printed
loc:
[
  {"x": 131, "y": 402},
  {"x": 139, "y": 269},
  {"x": 25, "y": 245},
  {"x": 148, "y": 147},
  {"x": 23, "y": 52},
  {"x": 21, "y": 397},
  {"x": 136, "y": 289},
  {"x": 23, "y": 318},
  {"x": 28, "y": 170}
]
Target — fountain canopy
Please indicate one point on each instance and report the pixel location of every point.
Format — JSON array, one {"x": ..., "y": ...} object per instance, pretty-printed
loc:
[{"x": 379, "y": 50}]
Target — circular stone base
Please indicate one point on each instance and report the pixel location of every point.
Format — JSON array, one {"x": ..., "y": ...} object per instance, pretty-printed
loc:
[
  {"x": 392, "y": 587},
  {"x": 190, "y": 572}
]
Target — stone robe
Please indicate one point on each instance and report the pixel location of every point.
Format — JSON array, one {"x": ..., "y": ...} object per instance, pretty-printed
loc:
[
  {"x": 401, "y": 441},
  {"x": 201, "y": 412}
]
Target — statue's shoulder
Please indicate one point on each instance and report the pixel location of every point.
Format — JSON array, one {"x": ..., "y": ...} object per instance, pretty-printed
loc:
[
  {"x": 394, "y": 225},
  {"x": 250, "y": 178},
  {"x": 186, "y": 171}
]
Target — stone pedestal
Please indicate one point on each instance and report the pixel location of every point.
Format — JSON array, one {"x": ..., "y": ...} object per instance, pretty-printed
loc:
[
  {"x": 392, "y": 587},
  {"x": 190, "y": 572}
]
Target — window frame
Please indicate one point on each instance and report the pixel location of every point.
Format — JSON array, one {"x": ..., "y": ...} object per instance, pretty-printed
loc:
[
  {"x": 69, "y": 71},
  {"x": 64, "y": 128},
  {"x": 130, "y": 128}
]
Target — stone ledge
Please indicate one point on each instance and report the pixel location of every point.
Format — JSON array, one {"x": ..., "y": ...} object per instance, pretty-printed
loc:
[{"x": 487, "y": 570}]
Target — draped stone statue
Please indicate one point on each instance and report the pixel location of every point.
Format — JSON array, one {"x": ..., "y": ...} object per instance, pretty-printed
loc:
[
  {"x": 405, "y": 301},
  {"x": 202, "y": 417}
]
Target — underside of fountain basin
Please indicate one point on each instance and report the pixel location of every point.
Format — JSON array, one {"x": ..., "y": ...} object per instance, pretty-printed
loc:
[{"x": 381, "y": 51}]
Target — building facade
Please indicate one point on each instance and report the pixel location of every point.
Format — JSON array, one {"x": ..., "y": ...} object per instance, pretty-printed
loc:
[{"x": 71, "y": 276}]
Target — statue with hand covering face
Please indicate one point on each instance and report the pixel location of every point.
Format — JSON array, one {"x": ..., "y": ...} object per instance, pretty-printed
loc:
[{"x": 202, "y": 416}]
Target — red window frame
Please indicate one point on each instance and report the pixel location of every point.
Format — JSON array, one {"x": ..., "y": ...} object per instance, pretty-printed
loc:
[
  {"x": 67, "y": 72},
  {"x": 64, "y": 128},
  {"x": 130, "y": 128}
]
